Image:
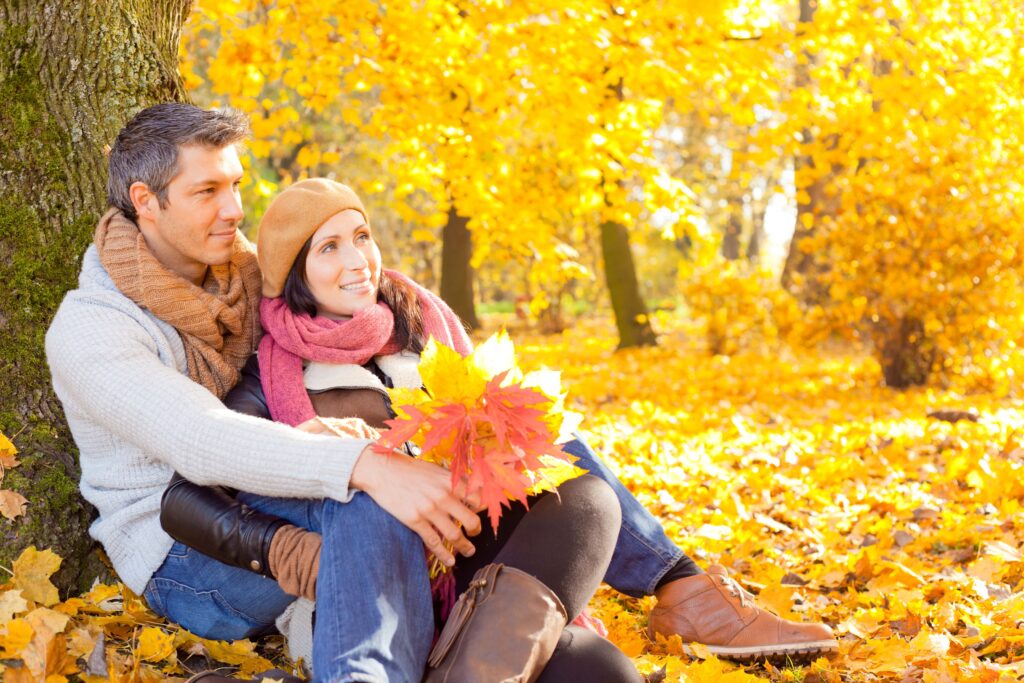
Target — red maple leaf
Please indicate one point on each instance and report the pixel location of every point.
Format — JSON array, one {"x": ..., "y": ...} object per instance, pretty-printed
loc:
[{"x": 400, "y": 430}]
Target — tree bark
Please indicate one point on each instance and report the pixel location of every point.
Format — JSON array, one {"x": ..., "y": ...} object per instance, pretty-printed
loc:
[
  {"x": 906, "y": 354},
  {"x": 757, "y": 231},
  {"x": 620, "y": 275},
  {"x": 71, "y": 74},
  {"x": 733, "y": 230},
  {"x": 799, "y": 275},
  {"x": 456, "y": 268}
]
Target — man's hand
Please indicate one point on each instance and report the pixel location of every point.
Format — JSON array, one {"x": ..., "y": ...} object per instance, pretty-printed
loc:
[
  {"x": 419, "y": 494},
  {"x": 352, "y": 427}
]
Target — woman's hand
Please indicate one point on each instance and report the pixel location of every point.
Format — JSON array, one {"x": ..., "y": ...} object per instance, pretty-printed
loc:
[{"x": 419, "y": 494}]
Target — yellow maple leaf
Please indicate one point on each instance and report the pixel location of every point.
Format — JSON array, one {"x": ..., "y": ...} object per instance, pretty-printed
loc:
[
  {"x": 32, "y": 572},
  {"x": 555, "y": 473},
  {"x": 447, "y": 377},
  {"x": 45, "y": 620},
  {"x": 779, "y": 599},
  {"x": 154, "y": 645},
  {"x": 19, "y": 634},
  {"x": 11, "y": 603},
  {"x": 47, "y": 654},
  {"x": 7, "y": 453},
  {"x": 495, "y": 355},
  {"x": 82, "y": 641}
]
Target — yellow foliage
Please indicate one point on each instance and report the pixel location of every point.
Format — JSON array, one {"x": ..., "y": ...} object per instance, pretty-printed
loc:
[
  {"x": 912, "y": 120},
  {"x": 740, "y": 307},
  {"x": 32, "y": 572},
  {"x": 155, "y": 645},
  {"x": 538, "y": 121},
  {"x": 12, "y": 503},
  {"x": 826, "y": 494}
]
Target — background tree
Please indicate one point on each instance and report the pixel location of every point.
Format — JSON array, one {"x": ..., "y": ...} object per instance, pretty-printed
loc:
[
  {"x": 70, "y": 76},
  {"x": 498, "y": 109},
  {"x": 916, "y": 136}
]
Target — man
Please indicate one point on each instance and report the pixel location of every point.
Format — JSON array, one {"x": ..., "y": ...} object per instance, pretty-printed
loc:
[{"x": 141, "y": 354}]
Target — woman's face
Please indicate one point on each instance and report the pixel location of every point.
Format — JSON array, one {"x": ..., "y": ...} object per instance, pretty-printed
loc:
[{"x": 343, "y": 266}]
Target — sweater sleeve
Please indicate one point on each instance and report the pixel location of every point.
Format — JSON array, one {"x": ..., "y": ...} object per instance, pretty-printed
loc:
[{"x": 106, "y": 369}]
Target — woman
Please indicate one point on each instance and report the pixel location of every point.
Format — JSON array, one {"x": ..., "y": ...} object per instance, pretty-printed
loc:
[{"x": 339, "y": 330}]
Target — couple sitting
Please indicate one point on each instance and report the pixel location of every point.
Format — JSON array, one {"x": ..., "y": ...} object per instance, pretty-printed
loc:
[{"x": 152, "y": 357}]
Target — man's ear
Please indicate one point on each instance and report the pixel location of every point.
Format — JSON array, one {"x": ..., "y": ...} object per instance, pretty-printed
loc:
[{"x": 146, "y": 203}]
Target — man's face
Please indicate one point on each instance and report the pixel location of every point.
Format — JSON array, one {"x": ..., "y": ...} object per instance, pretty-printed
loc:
[{"x": 197, "y": 227}]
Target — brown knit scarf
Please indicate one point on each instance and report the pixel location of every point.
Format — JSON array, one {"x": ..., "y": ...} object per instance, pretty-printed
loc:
[{"x": 219, "y": 322}]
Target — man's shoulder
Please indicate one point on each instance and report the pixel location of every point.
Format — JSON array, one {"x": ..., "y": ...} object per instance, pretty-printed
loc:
[
  {"x": 95, "y": 291},
  {"x": 97, "y": 305}
]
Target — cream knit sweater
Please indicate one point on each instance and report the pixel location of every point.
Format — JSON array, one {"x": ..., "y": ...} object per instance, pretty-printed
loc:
[{"x": 136, "y": 417}]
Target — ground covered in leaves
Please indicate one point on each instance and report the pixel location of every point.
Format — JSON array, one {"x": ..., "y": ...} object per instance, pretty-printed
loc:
[{"x": 893, "y": 516}]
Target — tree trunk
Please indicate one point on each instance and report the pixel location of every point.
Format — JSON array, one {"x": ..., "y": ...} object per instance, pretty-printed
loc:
[
  {"x": 757, "y": 231},
  {"x": 905, "y": 353},
  {"x": 620, "y": 274},
  {"x": 799, "y": 274},
  {"x": 456, "y": 269},
  {"x": 733, "y": 229},
  {"x": 71, "y": 74}
]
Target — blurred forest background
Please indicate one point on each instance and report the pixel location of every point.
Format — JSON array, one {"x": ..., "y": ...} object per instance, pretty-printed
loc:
[
  {"x": 775, "y": 247},
  {"x": 550, "y": 158}
]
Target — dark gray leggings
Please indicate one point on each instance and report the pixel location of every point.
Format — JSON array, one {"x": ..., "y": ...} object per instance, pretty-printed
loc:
[{"x": 566, "y": 542}]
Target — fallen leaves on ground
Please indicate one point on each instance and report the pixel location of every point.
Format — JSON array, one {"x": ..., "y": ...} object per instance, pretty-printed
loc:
[
  {"x": 12, "y": 503},
  {"x": 829, "y": 496}
]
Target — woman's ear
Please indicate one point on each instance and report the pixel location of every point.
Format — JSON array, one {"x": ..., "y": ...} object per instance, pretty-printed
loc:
[{"x": 145, "y": 202}]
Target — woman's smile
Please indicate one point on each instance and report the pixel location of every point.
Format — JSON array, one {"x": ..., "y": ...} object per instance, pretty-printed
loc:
[{"x": 363, "y": 286}]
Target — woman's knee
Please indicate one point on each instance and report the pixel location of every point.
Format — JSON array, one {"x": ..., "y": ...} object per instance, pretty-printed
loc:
[
  {"x": 582, "y": 655},
  {"x": 593, "y": 500}
]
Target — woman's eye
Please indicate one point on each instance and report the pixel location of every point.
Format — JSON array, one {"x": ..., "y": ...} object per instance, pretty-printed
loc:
[
  {"x": 362, "y": 238},
  {"x": 327, "y": 247}
]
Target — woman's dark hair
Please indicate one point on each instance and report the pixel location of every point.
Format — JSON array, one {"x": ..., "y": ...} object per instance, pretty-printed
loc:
[{"x": 399, "y": 297}]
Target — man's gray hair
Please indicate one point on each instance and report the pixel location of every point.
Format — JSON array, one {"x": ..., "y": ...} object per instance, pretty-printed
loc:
[{"x": 146, "y": 150}]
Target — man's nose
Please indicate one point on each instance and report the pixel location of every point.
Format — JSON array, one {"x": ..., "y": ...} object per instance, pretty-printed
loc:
[{"x": 231, "y": 208}]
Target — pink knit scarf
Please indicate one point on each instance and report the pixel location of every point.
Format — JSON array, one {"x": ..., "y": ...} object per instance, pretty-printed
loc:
[{"x": 290, "y": 339}]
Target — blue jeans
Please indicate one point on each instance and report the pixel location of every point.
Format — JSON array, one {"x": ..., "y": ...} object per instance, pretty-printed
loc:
[
  {"x": 374, "y": 615},
  {"x": 374, "y": 620},
  {"x": 643, "y": 553}
]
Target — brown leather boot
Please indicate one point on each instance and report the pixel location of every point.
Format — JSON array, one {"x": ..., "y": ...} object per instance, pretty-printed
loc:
[
  {"x": 503, "y": 629},
  {"x": 714, "y": 610}
]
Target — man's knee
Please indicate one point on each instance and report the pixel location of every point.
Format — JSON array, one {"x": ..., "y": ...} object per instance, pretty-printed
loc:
[{"x": 363, "y": 521}]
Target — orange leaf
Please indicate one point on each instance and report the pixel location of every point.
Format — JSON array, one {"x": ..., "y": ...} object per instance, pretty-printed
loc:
[{"x": 12, "y": 504}]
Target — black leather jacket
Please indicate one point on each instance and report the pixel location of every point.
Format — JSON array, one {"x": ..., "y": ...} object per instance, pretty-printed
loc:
[{"x": 210, "y": 518}]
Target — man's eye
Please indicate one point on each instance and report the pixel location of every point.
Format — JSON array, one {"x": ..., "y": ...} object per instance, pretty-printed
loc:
[{"x": 208, "y": 190}]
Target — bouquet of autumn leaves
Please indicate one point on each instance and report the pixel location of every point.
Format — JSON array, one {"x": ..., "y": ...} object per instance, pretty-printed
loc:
[{"x": 490, "y": 424}]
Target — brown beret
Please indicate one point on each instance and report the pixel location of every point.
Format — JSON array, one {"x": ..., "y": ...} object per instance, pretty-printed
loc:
[{"x": 291, "y": 219}]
